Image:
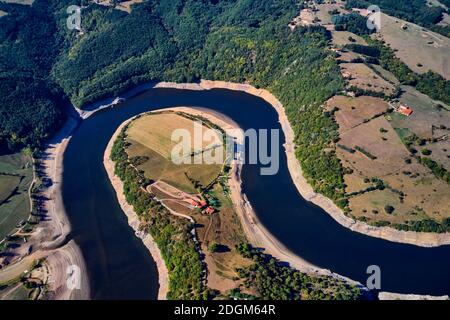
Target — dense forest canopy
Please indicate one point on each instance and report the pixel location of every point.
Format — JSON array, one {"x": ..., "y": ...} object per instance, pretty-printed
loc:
[
  {"x": 352, "y": 22},
  {"x": 30, "y": 102},
  {"x": 42, "y": 61}
]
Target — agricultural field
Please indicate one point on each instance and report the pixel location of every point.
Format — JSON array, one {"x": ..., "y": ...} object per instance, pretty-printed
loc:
[
  {"x": 31, "y": 285},
  {"x": 14, "y": 292},
  {"x": 126, "y": 5},
  {"x": 16, "y": 175},
  {"x": 428, "y": 114},
  {"x": 413, "y": 192},
  {"x": 324, "y": 15},
  {"x": 384, "y": 182},
  {"x": 440, "y": 152},
  {"x": 386, "y": 75},
  {"x": 317, "y": 15},
  {"x": 421, "y": 49},
  {"x": 306, "y": 17},
  {"x": 222, "y": 228},
  {"x": 352, "y": 112},
  {"x": 347, "y": 56},
  {"x": 149, "y": 139},
  {"x": 384, "y": 151},
  {"x": 365, "y": 78},
  {"x": 428, "y": 128},
  {"x": 341, "y": 38}
]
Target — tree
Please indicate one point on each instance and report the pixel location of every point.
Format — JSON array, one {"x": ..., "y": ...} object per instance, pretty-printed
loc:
[
  {"x": 389, "y": 209},
  {"x": 213, "y": 247}
]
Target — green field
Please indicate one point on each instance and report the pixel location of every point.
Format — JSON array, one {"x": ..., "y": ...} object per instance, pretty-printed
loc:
[
  {"x": 7, "y": 186},
  {"x": 149, "y": 138},
  {"x": 16, "y": 174}
]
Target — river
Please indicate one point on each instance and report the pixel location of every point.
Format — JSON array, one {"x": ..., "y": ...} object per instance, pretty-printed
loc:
[{"x": 120, "y": 267}]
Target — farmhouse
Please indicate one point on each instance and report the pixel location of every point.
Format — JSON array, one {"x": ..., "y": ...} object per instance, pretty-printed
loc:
[
  {"x": 405, "y": 110},
  {"x": 209, "y": 210},
  {"x": 195, "y": 203}
]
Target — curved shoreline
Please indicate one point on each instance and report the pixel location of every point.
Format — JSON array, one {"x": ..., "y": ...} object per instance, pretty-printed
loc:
[
  {"x": 422, "y": 239},
  {"x": 133, "y": 219},
  {"x": 256, "y": 233},
  {"x": 254, "y": 230},
  {"x": 63, "y": 255},
  {"x": 50, "y": 240},
  {"x": 55, "y": 148}
]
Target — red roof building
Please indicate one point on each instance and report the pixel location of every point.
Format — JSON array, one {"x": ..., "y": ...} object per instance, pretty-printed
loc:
[
  {"x": 210, "y": 210},
  {"x": 194, "y": 203},
  {"x": 405, "y": 110}
]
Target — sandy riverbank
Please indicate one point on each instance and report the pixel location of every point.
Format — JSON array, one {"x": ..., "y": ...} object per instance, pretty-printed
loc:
[
  {"x": 49, "y": 239},
  {"x": 423, "y": 239},
  {"x": 399, "y": 296},
  {"x": 255, "y": 232},
  {"x": 133, "y": 219},
  {"x": 55, "y": 230},
  {"x": 68, "y": 274},
  {"x": 59, "y": 227}
]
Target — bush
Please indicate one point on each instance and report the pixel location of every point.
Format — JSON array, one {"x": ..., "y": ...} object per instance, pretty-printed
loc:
[
  {"x": 389, "y": 209},
  {"x": 213, "y": 247}
]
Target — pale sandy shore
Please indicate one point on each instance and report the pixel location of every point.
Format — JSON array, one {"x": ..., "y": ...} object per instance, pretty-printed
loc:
[
  {"x": 49, "y": 239},
  {"x": 61, "y": 257},
  {"x": 255, "y": 232},
  {"x": 68, "y": 274},
  {"x": 133, "y": 219},
  {"x": 398, "y": 296}
]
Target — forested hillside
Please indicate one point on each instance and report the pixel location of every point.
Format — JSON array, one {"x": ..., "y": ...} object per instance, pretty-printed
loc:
[
  {"x": 30, "y": 103},
  {"x": 182, "y": 41}
]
